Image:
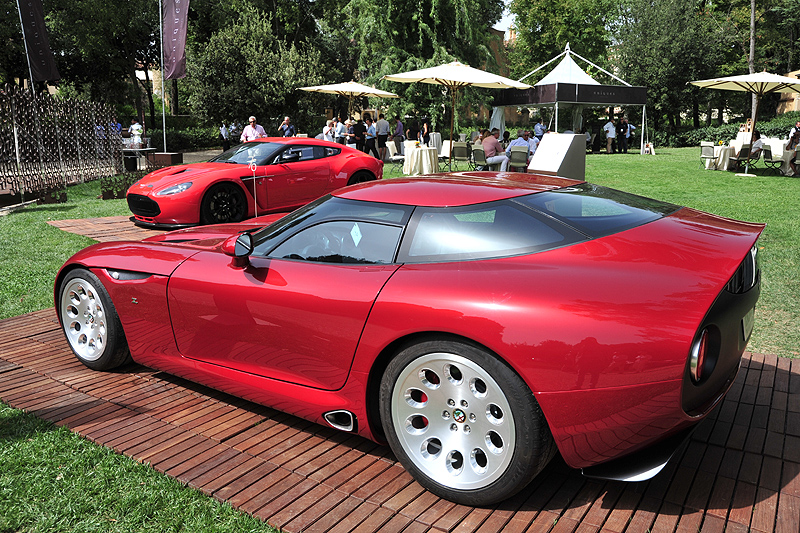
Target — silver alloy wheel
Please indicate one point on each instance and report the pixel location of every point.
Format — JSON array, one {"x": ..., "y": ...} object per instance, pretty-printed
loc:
[
  {"x": 84, "y": 319},
  {"x": 453, "y": 421}
]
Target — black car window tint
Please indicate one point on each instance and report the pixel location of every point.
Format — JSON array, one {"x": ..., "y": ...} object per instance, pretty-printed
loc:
[
  {"x": 328, "y": 208},
  {"x": 497, "y": 229},
  {"x": 244, "y": 154},
  {"x": 342, "y": 241},
  {"x": 597, "y": 211}
]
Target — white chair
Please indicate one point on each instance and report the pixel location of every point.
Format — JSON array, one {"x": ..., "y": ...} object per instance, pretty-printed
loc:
[
  {"x": 519, "y": 158},
  {"x": 444, "y": 155},
  {"x": 706, "y": 154},
  {"x": 395, "y": 159}
]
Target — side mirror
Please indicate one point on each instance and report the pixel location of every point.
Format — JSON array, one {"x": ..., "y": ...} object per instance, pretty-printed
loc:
[{"x": 238, "y": 247}]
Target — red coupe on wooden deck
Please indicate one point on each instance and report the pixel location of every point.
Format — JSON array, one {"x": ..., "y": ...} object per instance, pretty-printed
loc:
[{"x": 477, "y": 322}]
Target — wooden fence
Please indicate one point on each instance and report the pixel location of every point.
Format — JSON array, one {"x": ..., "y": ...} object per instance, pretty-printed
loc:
[{"x": 47, "y": 143}]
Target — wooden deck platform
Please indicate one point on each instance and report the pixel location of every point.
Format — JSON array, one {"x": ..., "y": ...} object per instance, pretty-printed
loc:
[{"x": 740, "y": 472}]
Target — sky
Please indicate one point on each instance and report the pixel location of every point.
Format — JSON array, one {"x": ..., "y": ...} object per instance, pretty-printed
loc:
[{"x": 505, "y": 22}]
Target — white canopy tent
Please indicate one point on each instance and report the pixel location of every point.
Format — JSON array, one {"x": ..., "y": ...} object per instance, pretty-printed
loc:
[{"x": 569, "y": 85}]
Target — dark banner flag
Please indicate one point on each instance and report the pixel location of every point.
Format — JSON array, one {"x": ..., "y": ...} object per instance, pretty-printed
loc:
[
  {"x": 43, "y": 67},
  {"x": 175, "y": 14}
]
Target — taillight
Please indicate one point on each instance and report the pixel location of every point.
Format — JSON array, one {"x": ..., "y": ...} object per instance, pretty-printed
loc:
[{"x": 697, "y": 357}]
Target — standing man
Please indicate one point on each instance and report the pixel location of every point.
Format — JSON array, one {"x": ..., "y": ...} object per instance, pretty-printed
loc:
[
  {"x": 611, "y": 133},
  {"x": 539, "y": 129},
  {"x": 370, "y": 138},
  {"x": 340, "y": 135},
  {"x": 252, "y": 131},
  {"x": 622, "y": 136},
  {"x": 629, "y": 133},
  {"x": 287, "y": 128},
  {"x": 494, "y": 150},
  {"x": 359, "y": 131},
  {"x": 397, "y": 136},
  {"x": 224, "y": 136},
  {"x": 383, "y": 128}
]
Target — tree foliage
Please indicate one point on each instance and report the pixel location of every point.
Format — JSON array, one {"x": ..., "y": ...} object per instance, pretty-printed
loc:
[
  {"x": 245, "y": 69},
  {"x": 387, "y": 37},
  {"x": 545, "y": 27}
]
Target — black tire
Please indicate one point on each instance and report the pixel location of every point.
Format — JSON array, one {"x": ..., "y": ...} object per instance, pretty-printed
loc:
[
  {"x": 360, "y": 177},
  {"x": 90, "y": 321},
  {"x": 462, "y": 423},
  {"x": 223, "y": 203}
]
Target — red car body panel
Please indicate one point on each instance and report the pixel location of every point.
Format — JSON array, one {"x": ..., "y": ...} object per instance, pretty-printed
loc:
[
  {"x": 599, "y": 330},
  {"x": 278, "y": 187}
]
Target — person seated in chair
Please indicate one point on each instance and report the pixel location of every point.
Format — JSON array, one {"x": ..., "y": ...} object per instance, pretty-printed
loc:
[
  {"x": 755, "y": 150},
  {"x": 494, "y": 150}
]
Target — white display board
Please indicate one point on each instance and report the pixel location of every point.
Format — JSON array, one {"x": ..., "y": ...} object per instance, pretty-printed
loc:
[{"x": 560, "y": 154}]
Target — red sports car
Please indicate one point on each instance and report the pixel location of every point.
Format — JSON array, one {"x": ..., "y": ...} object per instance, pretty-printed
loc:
[
  {"x": 251, "y": 179},
  {"x": 477, "y": 322}
]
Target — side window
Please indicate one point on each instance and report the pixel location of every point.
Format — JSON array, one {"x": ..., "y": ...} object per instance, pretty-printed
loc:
[
  {"x": 306, "y": 153},
  {"x": 480, "y": 232},
  {"x": 342, "y": 242},
  {"x": 325, "y": 151}
]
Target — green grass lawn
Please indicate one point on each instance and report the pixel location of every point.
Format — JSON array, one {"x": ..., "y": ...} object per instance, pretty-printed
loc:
[{"x": 53, "y": 480}]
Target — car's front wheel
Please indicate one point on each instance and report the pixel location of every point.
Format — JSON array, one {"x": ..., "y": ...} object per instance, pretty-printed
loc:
[
  {"x": 360, "y": 177},
  {"x": 90, "y": 322},
  {"x": 223, "y": 203},
  {"x": 463, "y": 423}
]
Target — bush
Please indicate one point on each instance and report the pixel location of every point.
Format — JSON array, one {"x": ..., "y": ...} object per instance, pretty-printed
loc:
[
  {"x": 777, "y": 127},
  {"x": 185, "y": 140}
]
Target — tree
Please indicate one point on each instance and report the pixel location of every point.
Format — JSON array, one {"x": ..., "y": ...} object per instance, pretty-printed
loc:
[
  {"x": 663, "y": 45},
  {"x": 99, "y": 46},
  {"x": 244, "y": 69},
  {"x": 386, "y": 37},
  {"x": 544, "y": 27}
]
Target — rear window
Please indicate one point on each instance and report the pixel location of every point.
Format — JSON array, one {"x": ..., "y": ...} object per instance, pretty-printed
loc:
[{"x": 597, "y": 211}]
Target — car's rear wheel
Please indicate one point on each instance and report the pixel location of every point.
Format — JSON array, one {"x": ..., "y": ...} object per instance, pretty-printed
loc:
[
  {"x": 462, "y": 422},
  {"x": 360, "y": 177},
  {"x": 224, "y": 202},
  {"x": 90, "y": 321}
]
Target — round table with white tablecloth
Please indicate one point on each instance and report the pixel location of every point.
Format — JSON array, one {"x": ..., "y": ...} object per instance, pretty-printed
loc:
[{"x": 421, "y": 160}]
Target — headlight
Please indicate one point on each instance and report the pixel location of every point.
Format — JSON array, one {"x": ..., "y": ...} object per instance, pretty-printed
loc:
[{"x": 174, "y": 189}]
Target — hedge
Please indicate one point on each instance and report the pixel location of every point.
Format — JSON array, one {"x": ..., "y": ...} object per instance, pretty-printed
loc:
[{"x": 777, "y": 127}]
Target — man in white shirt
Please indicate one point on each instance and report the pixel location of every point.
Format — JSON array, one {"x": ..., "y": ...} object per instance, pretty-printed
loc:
[
  {"x": 252, "y": 131},
  {"x": 533, "y": 142},
  {"x": 611, "y": 134}
]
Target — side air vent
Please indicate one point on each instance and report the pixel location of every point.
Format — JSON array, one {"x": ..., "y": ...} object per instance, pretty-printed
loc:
[{"x": 746, "y": 275}]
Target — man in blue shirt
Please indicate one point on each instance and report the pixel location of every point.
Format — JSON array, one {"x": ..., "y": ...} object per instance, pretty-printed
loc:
[
  {"x": 539, "y": 129},
  {"x": 371, "y": 136},
  {"x": 287, "y": 128}
]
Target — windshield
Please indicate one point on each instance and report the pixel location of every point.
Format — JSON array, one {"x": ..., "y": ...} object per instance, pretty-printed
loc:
[{"x": 262, "y": 153}]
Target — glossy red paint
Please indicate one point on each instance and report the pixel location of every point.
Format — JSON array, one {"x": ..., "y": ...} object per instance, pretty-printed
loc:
[
  {"x": 600, "y": 330},
  {"x": 457, "y": 188},
  {"x": 278, "y": 187}
]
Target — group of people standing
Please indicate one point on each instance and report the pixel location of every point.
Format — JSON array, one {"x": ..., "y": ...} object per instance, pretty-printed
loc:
[
  {"x": 365, "y": 135},
  {"x": 618, "y": 135}
]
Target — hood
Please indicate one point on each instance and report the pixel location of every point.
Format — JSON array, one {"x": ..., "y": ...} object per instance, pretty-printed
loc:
[
  {"x": 167, "y": 176},
  {"x": 210, "y": 237}
]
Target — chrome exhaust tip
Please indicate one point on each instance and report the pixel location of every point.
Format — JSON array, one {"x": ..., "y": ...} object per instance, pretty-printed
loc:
[{"x": 341, "y": 419}]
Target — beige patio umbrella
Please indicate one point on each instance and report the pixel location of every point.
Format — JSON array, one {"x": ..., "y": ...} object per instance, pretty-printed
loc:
[
  {"x": 759, "y": 83},
  {"x": 350, "y": 90},
  {"x": 454, "y": 76}
]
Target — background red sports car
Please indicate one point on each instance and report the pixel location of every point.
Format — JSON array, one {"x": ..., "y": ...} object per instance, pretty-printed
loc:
[
  {"x": 477, "y": 322},
  {"x": 257, "y": 177}
]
